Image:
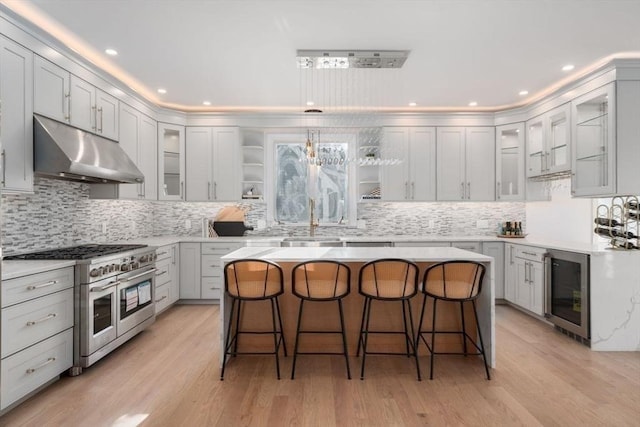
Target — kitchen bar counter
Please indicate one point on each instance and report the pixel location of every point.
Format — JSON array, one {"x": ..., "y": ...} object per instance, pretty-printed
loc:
[{"x": 355, "y": 257}]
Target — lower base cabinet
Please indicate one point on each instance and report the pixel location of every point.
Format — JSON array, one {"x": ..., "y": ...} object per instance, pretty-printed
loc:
[
  {"x": 201, "y": 274},
  {"x": 167, "y": 280},
  {"x": 496, "y": 250},
  {"x": 527, "y": 278}
]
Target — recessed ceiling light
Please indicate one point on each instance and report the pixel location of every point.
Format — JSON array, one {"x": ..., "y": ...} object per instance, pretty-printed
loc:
[
  {"x": 568, "y": 67},
  {"x": 206, "y": 102},
  {"x": 310, "y": 103},
  {"x": 473, "y": 104},
  {"x": 523, "y": 92},
  {"x": 162, "y": 91},
  {"x": 111, "y": 52},
  {"x": 412, "y": 104}
]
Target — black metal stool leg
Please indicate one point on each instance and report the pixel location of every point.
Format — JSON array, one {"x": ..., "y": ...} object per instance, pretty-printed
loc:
[
  {"x": 419, "y": 334},
  {"x": 464, "y": 330},
  {"x": 406, "y": 330},
  {"x": 284, "y": 344},
  {"x": 276, "y": 341},
  {"x": 227, "y": 341},
  {"x": 235, "y": 344},
  {"x": 366, "y": 336},
  {"x": 295, "y": 346},
  {"x": 433, "y": 337},
  {"x": 364, "y": 311},
  {"x": 414, "y": 345},
  {"x": 484, "y": 356},
  {"x": 344, "y": 339}
]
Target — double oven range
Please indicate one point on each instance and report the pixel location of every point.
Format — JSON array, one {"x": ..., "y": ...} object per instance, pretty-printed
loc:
[{"x": 114, "y": 296}]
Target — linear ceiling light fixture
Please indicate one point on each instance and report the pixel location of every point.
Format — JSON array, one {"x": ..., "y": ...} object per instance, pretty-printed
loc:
[{"x": 351, "y": 58}]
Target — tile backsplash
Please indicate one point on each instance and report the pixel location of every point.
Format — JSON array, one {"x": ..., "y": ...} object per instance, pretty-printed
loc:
[{"x": 60, "y": 213}]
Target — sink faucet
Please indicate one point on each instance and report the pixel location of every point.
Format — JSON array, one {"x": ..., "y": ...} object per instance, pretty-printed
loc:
[{"x": 313, "y": 224}]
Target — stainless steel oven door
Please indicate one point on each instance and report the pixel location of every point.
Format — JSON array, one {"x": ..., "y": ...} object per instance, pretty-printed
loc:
[
  {"x": 135, "y": 299},
  {"x": 567, "y": 291},
  {"x": 98, "y": 315}
]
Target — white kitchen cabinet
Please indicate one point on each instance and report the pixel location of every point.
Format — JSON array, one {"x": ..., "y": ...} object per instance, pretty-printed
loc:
[
  {"x": 414, "y": 177},
  {"x": 496, "y": 250},
  {"x": 549, "y": 142},
  {"x": 468, "y": 246},
  {"x": 606, "y": 122},
  {"x": 148, "y": 157},
  {"x": 190, "y": 278},
  {"x": 529, "y": 283},
  {"x": 167, "y": 279},
  {"x": 107, "y": 115},
  {"x": 129, "y": 133},
  {"x": 171, "y": 162},
  {"x": 37, "y": 332},
  {"x": 253, "y": 169},
  {"x": 92, "y": 109},
  {"x": 466, "y": 163},
  {"x": 51, "y": 95},
  {"x": 212, "y": 271},
  {"x": 16, "y": 120},
  {"x": 510, "y": 162},
  {"x": 510, "y": 272},
  {"x": 213, "y": 159}
]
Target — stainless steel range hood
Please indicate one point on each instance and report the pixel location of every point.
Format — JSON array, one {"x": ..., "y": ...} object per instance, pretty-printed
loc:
[{"x": 64, "y": 152}]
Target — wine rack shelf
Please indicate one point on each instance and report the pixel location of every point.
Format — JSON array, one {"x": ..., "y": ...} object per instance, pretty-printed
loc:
[{"x": 619, "y": 222}]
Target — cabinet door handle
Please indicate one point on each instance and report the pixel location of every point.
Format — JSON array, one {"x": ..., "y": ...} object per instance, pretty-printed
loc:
[
  {"x": 173, "y": 254},
  {"x": 215, "y": 190},
  {"x": 511, "y": 255},
  {"x": 101, "y": 120},
  {"x": 42, "y": 365},
  {"x": 209, "y": 190},
  {"x": 42, "y": 285},
  {"x": 498, "y": 190},
  {"x": 181, "y": 188},
  {"x": 4, "y": 167},
  {"x": 468, "y": 190},
  {"x": 67, "y": 116},
  {"x": 44, "y": 319},
  {"x": 95, "y": 118},
  {"x": 413, "y": 190},
  {"x": 462, "y": 190}
]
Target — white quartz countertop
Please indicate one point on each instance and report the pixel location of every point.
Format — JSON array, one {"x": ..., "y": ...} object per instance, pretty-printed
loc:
[
  {"x": 13, "y": 269},
  {"x": 355, "y": 254}
]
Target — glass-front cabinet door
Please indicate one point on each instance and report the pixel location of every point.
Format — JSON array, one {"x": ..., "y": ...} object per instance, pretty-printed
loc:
[
  {"x": 593, "y": 139},
  {"x": 171, "y": 167},
  {"x": 535, "y": 147},
  {"x": 510, "y": 162},
  {"x": 557, "y": 156}
]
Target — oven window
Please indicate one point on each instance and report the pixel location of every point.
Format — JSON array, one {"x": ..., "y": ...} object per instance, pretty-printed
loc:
[
  {"x": 134, "y": 298},
  {"x": 566, "y": 295},
  {"x": 102, "y": 314}
]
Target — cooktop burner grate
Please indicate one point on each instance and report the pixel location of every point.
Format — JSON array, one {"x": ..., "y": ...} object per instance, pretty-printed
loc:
[{"x": 76, "y": 252}]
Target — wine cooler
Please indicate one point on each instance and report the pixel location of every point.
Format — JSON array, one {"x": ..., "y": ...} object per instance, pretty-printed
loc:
[{"x": 567, "y": 292}]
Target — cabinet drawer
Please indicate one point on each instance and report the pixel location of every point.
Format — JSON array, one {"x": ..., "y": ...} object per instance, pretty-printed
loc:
[
  {"x": 530, "y": 253},
  {"x": 33, "y": 321},
  {"x": 162, "y": 297},
  {"x": 29, "y": 369},
  {"x": 468, "y": 246},
  {"x": 163, "y": 272},
  {"x": 36, "y": 285},
  {"x": 219, "y": 249},
  {"x": 163, "y": 252},
  {"x": 211, "y": 288},
  {"x": 211, "y": 266}
]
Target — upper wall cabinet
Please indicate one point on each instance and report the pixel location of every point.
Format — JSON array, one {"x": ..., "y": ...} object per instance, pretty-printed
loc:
[
  {"x": 69, "y": 99},
  {"x": 171, "y": 162},
  {"x": 510, "y": 162},
  {"x": 16, "y": 120},
  {"x": 548, "y": 143},
  {"x": 414, "y": 177},
  {"x": 466, "y": 163},
  {"x": 213, "y": 157},
  {"x": 606, "y": 125}
]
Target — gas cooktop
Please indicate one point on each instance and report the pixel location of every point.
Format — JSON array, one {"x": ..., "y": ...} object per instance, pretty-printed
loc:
[{"x": 76, "y": 252}]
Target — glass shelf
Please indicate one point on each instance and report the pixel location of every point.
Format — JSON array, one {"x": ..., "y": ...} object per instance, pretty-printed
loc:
[
  {"x": 594, "y": 121},
  {"x": 253, "y": 164},
  {"x": 557, "y": 147},
  {"x": 593, "y": 157}
]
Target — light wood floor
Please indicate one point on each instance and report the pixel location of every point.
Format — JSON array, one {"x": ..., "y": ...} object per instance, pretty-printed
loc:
[{"x": 169, "y": 376}]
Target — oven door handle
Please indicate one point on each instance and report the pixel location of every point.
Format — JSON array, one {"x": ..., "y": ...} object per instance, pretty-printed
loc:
[
  {"x": 547, "y": 284},
  {"x": 128, "y": 279},
  {"x": 105, "y": 287}
]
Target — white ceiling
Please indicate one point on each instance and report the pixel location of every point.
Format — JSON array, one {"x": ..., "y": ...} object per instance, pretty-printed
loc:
[{"x": 241, "y": 54}]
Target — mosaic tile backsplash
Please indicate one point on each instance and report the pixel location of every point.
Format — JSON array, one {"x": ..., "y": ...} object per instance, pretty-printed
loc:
[{"x": 60, "y": 213}]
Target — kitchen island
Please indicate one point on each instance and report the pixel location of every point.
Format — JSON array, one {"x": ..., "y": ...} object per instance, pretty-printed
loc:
[{"x": 324, "y": 316}]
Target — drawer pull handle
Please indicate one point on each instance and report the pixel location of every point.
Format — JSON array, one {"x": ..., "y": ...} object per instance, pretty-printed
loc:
[
  {"x": 529, "y": 253},
  {"x": 162, "y": 253},
  {"x": 163, "y": 297},
  {"x": 44, "y": 319},
  {"x": 42, "y": 365},
  {"x": 42, "y": 285},
  {"x": 161, "y": 273}
]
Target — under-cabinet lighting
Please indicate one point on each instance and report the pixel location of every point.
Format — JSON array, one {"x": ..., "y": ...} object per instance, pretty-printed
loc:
[
  {"x": 162, "y": 91},
  {"x": 111, "y": 52},
  {"x": 568, "y": 67}
]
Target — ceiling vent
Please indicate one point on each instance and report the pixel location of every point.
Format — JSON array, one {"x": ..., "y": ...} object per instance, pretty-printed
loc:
[{"x": 352, "y": 58}]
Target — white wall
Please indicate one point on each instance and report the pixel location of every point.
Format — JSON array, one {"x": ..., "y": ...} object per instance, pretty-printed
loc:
[{"x": 562, "y": 218}]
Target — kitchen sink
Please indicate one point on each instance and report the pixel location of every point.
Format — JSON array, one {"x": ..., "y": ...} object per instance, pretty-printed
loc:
[{"x": 311, "y": 242}]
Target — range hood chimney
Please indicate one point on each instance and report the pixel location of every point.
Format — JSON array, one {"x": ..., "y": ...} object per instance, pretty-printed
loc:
[{"x": 64, "y": 152}]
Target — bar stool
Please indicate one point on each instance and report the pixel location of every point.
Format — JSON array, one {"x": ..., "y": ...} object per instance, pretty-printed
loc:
[
  {"x": 455, "y": 281},
  {"x": 253, "y": 280},
  {"x": 388, "y": 280},
  {"x": 321, "y": 281}
]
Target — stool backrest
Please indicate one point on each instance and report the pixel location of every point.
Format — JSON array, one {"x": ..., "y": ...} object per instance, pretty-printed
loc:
[
  {"x": 389, "y": 278},
  {"x": 454, "y": 280},
  {"x": 253, "y": 279},
  {"x": 321, "y": 280}
]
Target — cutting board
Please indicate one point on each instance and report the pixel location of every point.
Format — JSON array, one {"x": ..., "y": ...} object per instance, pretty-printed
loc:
[{"x": 230, "y": 213}]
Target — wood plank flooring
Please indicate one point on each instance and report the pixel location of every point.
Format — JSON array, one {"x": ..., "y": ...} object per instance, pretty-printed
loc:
[{"x": 169, "y": 376}]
